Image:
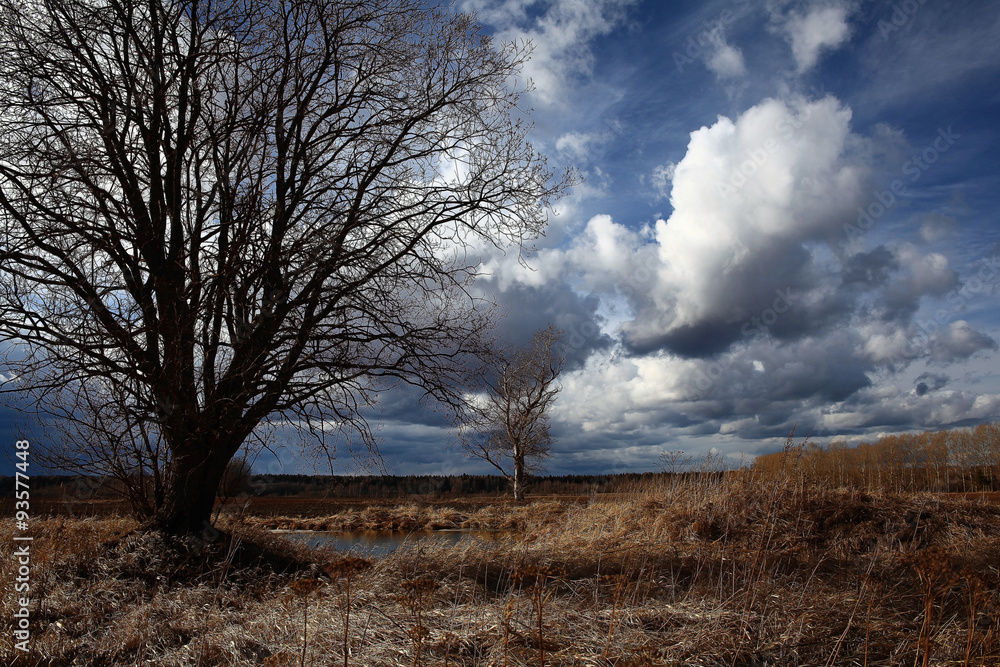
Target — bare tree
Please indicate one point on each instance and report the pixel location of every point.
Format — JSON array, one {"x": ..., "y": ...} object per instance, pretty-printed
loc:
[
  {"x": 675, "y": 462},
  {"x": 223, "y": 215},
  {"x": 509, "y": 427},
  {"x": 98, "y": 434}
]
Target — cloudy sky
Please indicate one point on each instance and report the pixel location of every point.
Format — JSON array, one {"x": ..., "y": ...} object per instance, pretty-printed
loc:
[{"x": 789, "y": 218}]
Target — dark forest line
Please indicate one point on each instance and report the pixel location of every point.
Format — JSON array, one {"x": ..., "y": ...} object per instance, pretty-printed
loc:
[{"x": 359, "y": 486}]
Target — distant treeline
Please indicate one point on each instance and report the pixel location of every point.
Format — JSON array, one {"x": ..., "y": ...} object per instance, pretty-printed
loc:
[
  {"x": 957, "y": 460},
  {"x": 50, "y": 486},
  {"x": 962, "y": 459},
  {"x": 363, "y": 486},
  {"x": 445, "y": 486}
]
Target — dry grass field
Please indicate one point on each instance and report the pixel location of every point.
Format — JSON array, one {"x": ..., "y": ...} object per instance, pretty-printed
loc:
[{"x": 727, "y": 572}]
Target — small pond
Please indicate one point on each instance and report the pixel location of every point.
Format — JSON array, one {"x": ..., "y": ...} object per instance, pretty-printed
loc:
[{"x": 374, "y": 544}]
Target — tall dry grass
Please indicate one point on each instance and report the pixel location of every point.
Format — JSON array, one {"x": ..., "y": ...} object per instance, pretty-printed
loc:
[{"x": 704, "y": 570}]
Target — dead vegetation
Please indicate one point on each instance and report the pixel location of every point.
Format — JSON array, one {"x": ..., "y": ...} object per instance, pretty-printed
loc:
[
  {"x": 717, "y": 571},
  {"x": 409, "y": 517}
]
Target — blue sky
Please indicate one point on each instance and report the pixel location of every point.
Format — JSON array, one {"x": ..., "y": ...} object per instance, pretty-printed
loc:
[{"x": 788, "y": 218}]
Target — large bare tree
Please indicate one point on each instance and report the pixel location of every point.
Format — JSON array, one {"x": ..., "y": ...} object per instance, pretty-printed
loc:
[
  {"x": 507, "y": 425},
  {"x": 219, "y": 215}
]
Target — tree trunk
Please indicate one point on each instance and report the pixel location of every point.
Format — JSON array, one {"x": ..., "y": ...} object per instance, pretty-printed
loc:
[
  {"x": 191, "y": 489},
  {"x": 518, "y": 478}
]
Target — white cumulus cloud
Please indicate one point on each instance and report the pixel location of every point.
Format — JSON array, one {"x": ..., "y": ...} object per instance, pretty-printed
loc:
[
  {"x": 746, "y": 196},
  {"x": 662, "y": 177},
  {"x": 819, "y": 28},
  {"x": 723, "y": 59},
  {"x": 560, "y": 34}
]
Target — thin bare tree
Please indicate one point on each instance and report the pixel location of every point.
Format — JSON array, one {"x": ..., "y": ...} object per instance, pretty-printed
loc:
[
  {"x": 675, "y": 463},
  {"x": 509, "y": 423},
  {"x": 97, "y": 433},
  {"x": 221, "y": 215}
]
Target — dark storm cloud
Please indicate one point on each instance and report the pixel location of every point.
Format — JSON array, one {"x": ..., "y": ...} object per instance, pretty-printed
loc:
[
  {"x": 705, "y": 339},
  {"x": 406, "y": 403},
  {"x": 529, "y": 308},
  {"x": 751, "y": 299},
  {"x": 907, "y": 410},
  {"x": 422, "y": 449},
  {"x": 9, "y": 429},
  {"x": 770, "y": 376},
  {"x": 832, "y": 376},
  {"x": 883, "y": 285},
  {"x": 869, "y": 270},
  {"x": 927, "y": 382},
  {"x": 958, "y": 341},
  {"x": 901, "y": 300}
]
